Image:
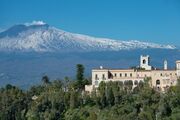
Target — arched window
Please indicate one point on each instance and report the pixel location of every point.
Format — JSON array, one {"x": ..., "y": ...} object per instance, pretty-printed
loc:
[
  {"x": 144, "y": 61},
  {"x": 157, "y": 82},
  {"x": 120, "y": 75},
  {"x": 125, "y": 74},
  {"x": 96, "y": 77},
  {"x": 103, "y": 77},
  {"x": 130, "y": 74}
]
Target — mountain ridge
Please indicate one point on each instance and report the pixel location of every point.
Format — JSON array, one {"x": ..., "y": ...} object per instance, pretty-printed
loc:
[
  {"x": 44, "y": 38},
  {"x": 35, "y": 49}
]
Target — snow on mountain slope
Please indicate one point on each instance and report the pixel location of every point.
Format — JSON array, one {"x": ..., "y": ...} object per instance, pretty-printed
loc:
[{"x": 44, "y": 38}]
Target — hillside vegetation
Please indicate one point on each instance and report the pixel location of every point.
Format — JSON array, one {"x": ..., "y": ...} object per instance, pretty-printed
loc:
[{"x": 66, "y": 100}]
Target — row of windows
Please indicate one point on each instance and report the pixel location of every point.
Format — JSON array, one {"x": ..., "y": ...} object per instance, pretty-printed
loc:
[
  {"x": 161, "y": 74},
  {"x": 97, "y": 78},
  {"x": 130, "y": 75},
  {"x": 120, "y": 75},
  {"x": 123, "y": 75},
  {"x": 115, "y": 75},
  {"x": 135, "y": 82}
]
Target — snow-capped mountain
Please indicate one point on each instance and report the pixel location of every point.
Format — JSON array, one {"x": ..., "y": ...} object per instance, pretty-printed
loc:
[
  {"x": 48, "y": 47},
  {"x": 40, "y": 37}
]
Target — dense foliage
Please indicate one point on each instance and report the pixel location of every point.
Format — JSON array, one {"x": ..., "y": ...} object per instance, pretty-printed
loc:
[{"x": 66, "y": 100}]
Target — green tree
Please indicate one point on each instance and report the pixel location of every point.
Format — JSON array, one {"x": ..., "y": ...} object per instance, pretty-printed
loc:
[
  {"x": 110, "y": 94},
  {"x": 92, "y": 116},
  {"x": 79, "y": 77},
  {"x": 73, "y": 101},
  {"x": 145, "y": 116}
]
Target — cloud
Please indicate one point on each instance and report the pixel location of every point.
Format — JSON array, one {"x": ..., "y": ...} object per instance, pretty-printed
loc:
[{"x": 35, "y": 23}]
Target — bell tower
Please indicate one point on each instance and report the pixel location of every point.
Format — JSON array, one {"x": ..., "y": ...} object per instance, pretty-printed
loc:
[
  {"x": 178, "y": 68},
  {"x": 165, "y": 64},
  {"x": 144, "y": 62}
]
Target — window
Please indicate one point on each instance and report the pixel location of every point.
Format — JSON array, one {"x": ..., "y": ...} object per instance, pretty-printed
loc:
[
  {"x": 120, "y": 75},
  {"x": 115, "y": 75},
  {"x": 157, "y": 82},
  {"x": 96, "y": 77},
  {"x": 144, "y": 61},
  {"x": 158, "y": 88},
  {"x": 125, "y": 74},
  {"x": 130, "y": 74},
  {"x": 103, "y": 77},
  {"x": 161, "y": 74}
]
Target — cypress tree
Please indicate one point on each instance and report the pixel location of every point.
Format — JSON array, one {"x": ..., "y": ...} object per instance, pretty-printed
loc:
[{"x": 80, "y": 76}]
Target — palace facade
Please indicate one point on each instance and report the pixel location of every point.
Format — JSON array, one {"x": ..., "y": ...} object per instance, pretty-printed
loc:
[{"x": 161, "y": 79}]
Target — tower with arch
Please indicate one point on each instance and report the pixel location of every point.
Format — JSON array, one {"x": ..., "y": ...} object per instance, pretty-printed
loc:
[{"x": 144, "y": 62}]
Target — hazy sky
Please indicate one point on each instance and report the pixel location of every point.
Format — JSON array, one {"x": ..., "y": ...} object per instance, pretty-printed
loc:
[{"x": 147, "y": 20}]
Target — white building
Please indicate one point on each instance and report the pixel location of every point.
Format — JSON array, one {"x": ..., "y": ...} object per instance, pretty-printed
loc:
[{"x": 160, "y": 79}]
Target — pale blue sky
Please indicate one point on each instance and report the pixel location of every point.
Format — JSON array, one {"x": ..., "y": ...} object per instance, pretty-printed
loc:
[{"x": 146, "y": 20}]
